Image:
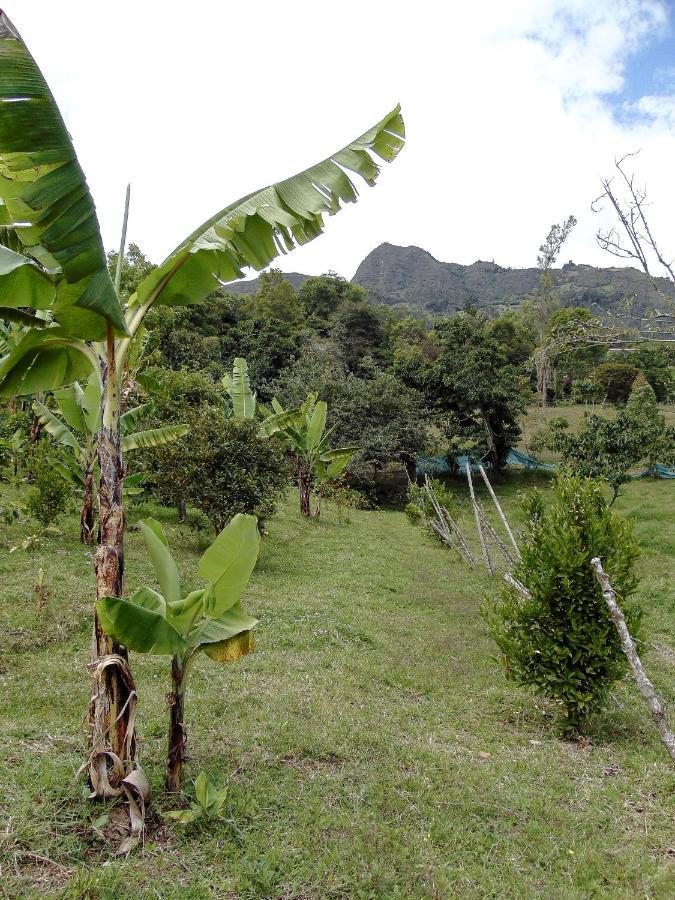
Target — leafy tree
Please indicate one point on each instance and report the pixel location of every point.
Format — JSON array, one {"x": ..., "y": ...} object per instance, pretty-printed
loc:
[
  {"x": 188, "y": 396},
  {"x": 359, "y": 337},
  {"x": 51, "y": 495},
  {"x": 603, "y": 448},
  {"x": 515, "y": 337},
  {"x": 615, "y": 380},
  {"x": 541, "y": 307},
  {"x": 134, "y": 269},
  {"x": 62, "y": 267},
  {"x": 560, "y": 639},
  {"x": 268, "y": 345},
  {"x": 322, "y": 296},
  {"x": 384, "y": 417},
  {"x": 211, "y": 620},
  {"x": 658, "y": 440},
  {"x": 231, "y": 468},
  {"x": 475, "y": 394},
  {"x": 656, "y": 363},
  {"x": 276, "y": 299},
  {"x": 573, "y": 355}
]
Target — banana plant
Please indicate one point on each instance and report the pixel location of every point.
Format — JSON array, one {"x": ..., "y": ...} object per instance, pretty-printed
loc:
[
  {"x": 53, "y": 259},
  {"x": 238, "y": 386},
  {"x": 15, "y": 447},
  {"x": 244, "y": 405},
  {"x": 77, "y": 432},
  {"x": 307, "y": 440},
  {"x": 211, "y": 620}
]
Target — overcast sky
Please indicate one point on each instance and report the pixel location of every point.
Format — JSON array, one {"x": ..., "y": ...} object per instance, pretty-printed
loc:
[{"x": 513, "y": 110}]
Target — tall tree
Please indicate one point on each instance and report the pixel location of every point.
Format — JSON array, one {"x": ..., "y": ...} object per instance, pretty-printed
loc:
[
  {"x": 62, "y": 267},
  {"x": 543, "y": 305}
]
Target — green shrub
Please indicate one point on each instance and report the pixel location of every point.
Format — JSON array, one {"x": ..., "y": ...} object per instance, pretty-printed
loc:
[
  {"x": 50, "y": 496},
  {"x": 615, "y": 380},
  {"x": 561, "y": 641},
  {"x": 413, "y": 512},
  {"x": 231, "y": 469}
]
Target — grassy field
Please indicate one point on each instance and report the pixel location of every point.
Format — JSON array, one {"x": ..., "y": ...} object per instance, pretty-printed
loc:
[
  {"x": 537, "y": 418},
  {"x": 372, "y": 746}
]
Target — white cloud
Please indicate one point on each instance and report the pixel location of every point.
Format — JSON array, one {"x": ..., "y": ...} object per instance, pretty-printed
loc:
[{"x": 508, "y": 109}]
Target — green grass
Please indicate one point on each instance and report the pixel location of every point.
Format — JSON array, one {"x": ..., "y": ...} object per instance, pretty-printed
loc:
[
  {"x": 537, "y": 417},
  {"x": 372, "y": 745}
]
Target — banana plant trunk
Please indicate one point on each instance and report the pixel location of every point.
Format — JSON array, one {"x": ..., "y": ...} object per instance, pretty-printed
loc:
[
  {"x": 111, "y": 713},
  {"x": 87, "y": 514},
  {"x": 177, "y": 735},
  {"x": 305, "y": 488}
]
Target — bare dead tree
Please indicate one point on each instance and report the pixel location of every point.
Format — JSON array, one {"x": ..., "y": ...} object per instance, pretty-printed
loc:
[{"x": 632, "y": 236}]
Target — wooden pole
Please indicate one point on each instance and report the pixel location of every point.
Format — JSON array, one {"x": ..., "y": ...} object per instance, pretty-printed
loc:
[
  {"x": 494, "y": 537},
  {"x": 643, "y": 683},
  {"x": 443, "y": 524},
  {"x": 500, "y": 511},
  {"x": 486, "y": 555}
]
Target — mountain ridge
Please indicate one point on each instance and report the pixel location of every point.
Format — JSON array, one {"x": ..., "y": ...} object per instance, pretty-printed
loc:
[{"x": 411, "y": 278}]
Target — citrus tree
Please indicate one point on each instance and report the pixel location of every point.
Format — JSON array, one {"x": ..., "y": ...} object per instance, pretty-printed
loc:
[{"x": 52, "y": 258}]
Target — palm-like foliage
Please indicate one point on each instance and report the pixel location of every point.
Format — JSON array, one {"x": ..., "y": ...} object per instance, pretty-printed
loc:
[
  {"x": 76, "y": 428},
  {"x": 238, "y": 386},
  {"x": 304, "y": 432},
  {"x": 52, "y": 259}
]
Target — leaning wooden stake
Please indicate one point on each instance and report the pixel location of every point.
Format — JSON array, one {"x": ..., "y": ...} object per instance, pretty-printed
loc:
[
  {"x": 479, "y": 526},
  {"x": 445, "y": 526},
  {"x": 500, "y": 511},
  {"x": 643, "y": 683},
  {"x": 492, "y": 536}
]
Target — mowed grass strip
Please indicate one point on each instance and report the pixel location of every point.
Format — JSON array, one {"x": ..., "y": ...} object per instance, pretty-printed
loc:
[{"x": 372, "y": 745}]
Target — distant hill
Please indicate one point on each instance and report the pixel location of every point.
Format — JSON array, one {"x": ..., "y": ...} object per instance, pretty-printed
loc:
[
  {"x": 412, "y": 278},
  {"x": 251, "y": 286}
]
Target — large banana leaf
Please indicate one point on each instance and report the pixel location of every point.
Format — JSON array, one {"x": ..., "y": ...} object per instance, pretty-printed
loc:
[
  {"x": 213, "y": 631},
  {"x": 44, "y": 361},
  {"x": 54, "y": 426},
  {"x": 184, "y": 612},
  {"x": 70, "y": 471},
  {"x": 238, "y": 386},
  {"x": 233, "y": 648},
  {"x": 91, "y": 404},
  {"x": 279, "y": 421},
  {"x": 23, "y": 282},
  {"x": 70, "y": 400},
  {"x": 316, "y": 425},
  {"x": 45, "y": 199},
  {"x": 154, "y": 437},
  {"x": 132, "y": 417},
  {"x": 256, "y": 229},
  {"x": 332, "y": 463},
  {"x": 228, "y": 564},
  {"x": 19, "y": 317},
  {"x": 139, "y": 628},
  {"x": 166, "y": 571}
]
